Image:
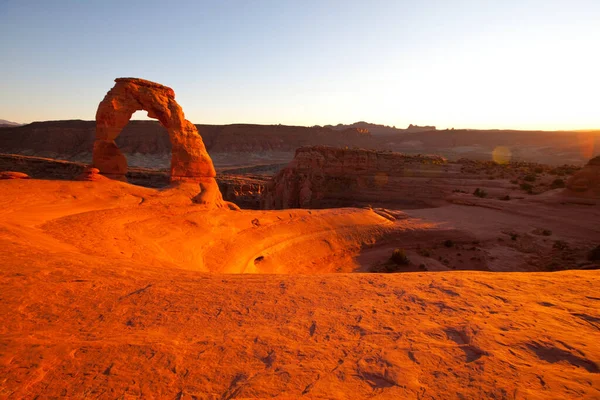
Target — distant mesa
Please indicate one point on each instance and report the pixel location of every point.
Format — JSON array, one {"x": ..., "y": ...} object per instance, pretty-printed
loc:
[
  {"x": 416, "y": 128},
  {"x": 8, "y": 124},
  {"x": 381, "y": 130},
  {"x": 189, "y": 159}
]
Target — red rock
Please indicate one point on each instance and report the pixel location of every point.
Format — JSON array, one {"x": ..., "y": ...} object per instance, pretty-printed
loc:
[
  {"x": 322, "y": 177},
  {"x": 13, "y": 175},
  {"x": 189, "y": 159},
  {"x": 91, "y": 174},
  {"x": 586, "y": 182}
]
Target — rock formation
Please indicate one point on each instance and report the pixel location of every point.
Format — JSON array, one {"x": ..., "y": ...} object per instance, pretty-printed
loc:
[
  {"x": 13, "y": 175},
  {"x": 586, "y": 182},
  {"x": 90, "y": 174},
  {"x": 322, "y": 177},
  {"x": 189, "y": 159}
]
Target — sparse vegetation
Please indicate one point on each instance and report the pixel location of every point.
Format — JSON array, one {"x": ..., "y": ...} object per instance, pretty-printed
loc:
[
  {"x": 530, "y": 178},
  {"x": 424, "y": 252},
  {"x": 399, "y": 257},
  {"x": 480, "y": 193},
  {"x": 505, "y": 198},
  {"x": 448, "y": 243},
  {"x": 527, "y": 187},
  {"x": 560, "y": 245},
  {"x": 557, "y": 183},
  {"x": 594, "y": 254}
]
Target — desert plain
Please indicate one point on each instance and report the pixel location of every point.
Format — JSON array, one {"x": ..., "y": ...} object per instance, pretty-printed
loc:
[{"x": 332, "y": 271}]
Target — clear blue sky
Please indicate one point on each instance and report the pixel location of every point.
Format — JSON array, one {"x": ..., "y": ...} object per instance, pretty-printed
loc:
[{"x": 503, "y": 63}]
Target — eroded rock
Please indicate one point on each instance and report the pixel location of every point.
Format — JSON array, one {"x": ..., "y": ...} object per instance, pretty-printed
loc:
[
  {"x": 91, "y": 174},
  {"x": 189, "y": 159},
  {"x": 586, "y": 182},
  {"x": 323, "y": 177},
  {"x": 13, "y": 175}
]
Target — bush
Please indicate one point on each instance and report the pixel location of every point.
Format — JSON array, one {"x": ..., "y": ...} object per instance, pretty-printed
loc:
[
  {"x": 527, "y": 187},
  {"x": 448, "y": 243},
  {"x": 505, "y": 198},
  {"x": 594, "y": 254},
  {"x": 560, "y": 245},
  {"x": 480, "y": 193},
  {"x": 399, "y": 257},
  {"x": 424, "y": 253},
  {"x": 530, "y": 178},
  {"x": 558, "y": 183}
]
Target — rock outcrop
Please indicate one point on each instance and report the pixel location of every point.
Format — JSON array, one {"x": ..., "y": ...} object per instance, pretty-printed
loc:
[
  {"x": 586, "y": 182},
  {"x": 13, "y": 175},
  {"x": 189, "y": 159},
  {"x": 323, "y": 177},
  {"x": 146, "y": 144},
  {"x": 90, "y": 174}
]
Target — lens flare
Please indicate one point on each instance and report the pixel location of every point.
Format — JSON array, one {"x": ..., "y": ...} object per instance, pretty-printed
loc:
[{"x": 502, "y": 155}]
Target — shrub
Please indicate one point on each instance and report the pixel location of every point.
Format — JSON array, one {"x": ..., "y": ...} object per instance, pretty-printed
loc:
[
  {"x": 399, "y": 257},
  {"x": 480, "y": 193},
  {"x": 448, "y": 243},
  {"x": 505, "y": 198},
  {"x": 425, "y": 253},
  {"x": 547, "y": 232},
  {"x": 560, "y": 245},
  {"x": 539, "y": 170},
  {"x": 527, "y": 187},
  {"x": 594, "y": 254},
  {"x": 558, "y": 183},
  {"x": 530, "y": 178}
]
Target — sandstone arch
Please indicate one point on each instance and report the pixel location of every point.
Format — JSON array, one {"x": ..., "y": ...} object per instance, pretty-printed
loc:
[{"x": 189, "y": 159}]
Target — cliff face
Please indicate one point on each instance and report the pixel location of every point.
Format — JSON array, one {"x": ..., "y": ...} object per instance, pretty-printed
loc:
[
  {"x": 73, "y": 140},
  {"x": 146, "y": 143},
  {"x": 255, "y": 138},
  {"x": 323, "y": 177}
]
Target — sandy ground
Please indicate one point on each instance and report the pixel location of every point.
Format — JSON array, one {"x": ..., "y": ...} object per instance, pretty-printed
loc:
[{"x": 110, "y": 290}]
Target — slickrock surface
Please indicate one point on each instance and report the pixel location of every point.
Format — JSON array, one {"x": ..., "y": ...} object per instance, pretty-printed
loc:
[
  {"x": 243, "y": 190},
  {"x": 105, "y": 293}
]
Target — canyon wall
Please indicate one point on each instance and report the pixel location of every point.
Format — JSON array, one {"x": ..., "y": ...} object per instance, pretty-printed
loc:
[
  {"x": 324, "y": 177},
  {"x": 146, "y": 143}
]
